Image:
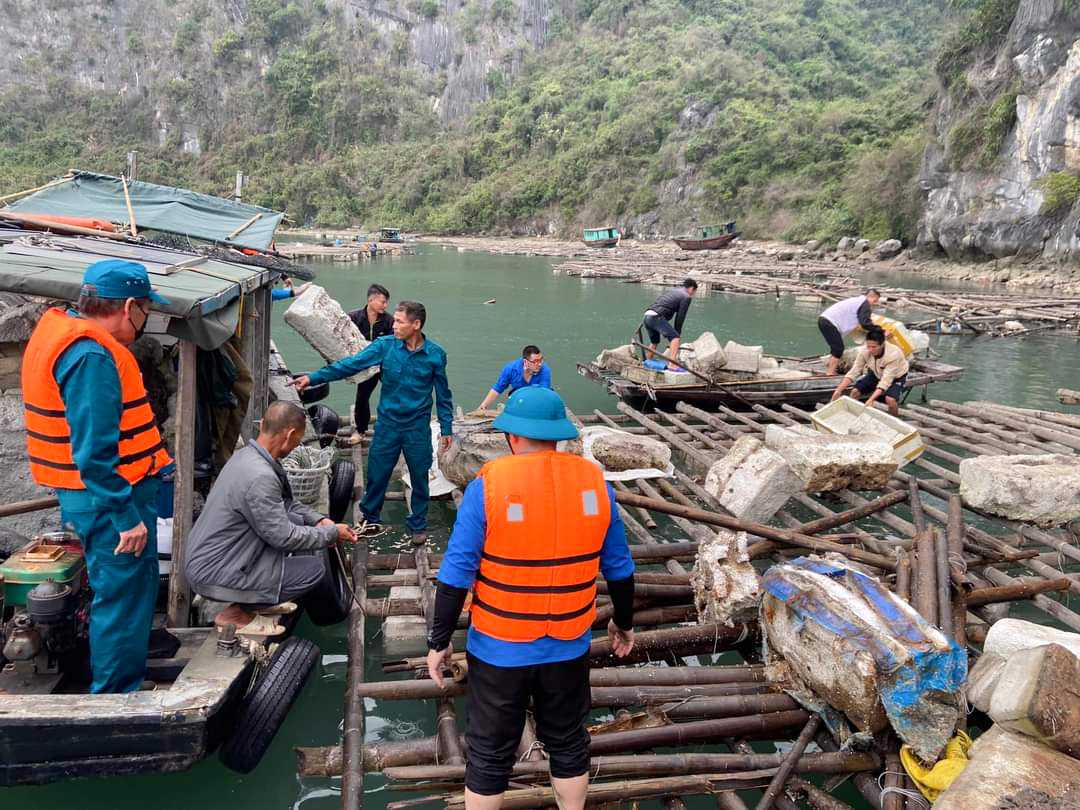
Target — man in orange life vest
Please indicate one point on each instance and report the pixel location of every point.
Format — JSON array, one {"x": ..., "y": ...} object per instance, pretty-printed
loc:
[
  {"x": 92, "y": 437},
  {"x": 533, "y": 531}
]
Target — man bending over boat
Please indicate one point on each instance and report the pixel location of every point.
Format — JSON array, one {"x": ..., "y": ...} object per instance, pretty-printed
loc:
[
  {"x": 673, "y": 303},
  {"x": 252, "y": 545},
  {"x": 886, "y": 370},
  {"x": 843, "y": 318},
  {"x": 527, "y": 371}
]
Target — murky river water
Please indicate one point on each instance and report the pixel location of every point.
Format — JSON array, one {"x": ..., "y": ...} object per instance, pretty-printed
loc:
[{"x": 571, "y": 319}]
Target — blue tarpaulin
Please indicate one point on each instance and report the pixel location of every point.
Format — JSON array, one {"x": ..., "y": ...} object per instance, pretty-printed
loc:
[
  {"x": 920, "y": 672},
  {"x": 159, "y": 208}
]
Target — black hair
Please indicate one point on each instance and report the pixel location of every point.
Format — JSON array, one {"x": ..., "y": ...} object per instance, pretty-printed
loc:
[
  {"x": 876, "y": 334},
  {"x": 281, "y": 415},
  {"x": 872, "y": 291},
  {"x": 378, "y": 289},
  {"x": 529, "y": 351},
  {"x": 414, "y": 311},
  {"x": 689, "y": 284}
]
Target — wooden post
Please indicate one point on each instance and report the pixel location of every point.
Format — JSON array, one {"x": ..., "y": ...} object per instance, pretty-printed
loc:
[
  {"x": 352, "y": 777},
  {"x": 239, "y": 192},
  {"x": 255, "y": 336},
  {"x": 133, "y": 165},
  {"x": 179, "y": 607}
]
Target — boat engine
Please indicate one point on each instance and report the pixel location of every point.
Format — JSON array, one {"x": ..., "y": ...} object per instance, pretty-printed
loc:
[{"x": 43, "y": 605}]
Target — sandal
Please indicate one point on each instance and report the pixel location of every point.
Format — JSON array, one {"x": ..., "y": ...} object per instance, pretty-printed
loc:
[
  {"x": 261, "y": 627},
  {"x": 367, "y": 529},
  {"x": 283, "y": 609}
]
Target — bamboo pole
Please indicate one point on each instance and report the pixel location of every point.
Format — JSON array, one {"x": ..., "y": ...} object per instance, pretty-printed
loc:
[
  {"x": 788, "y": 765},
  {"x": 352, "y": 783},
  {"x": 243, "y": 227},
  {"x": 926, "y": 576},
  {"x": 33, "y": 505},
  {"x": 131, "y": 211},
  {"x": 1009, "y": 593},
  {"x": 27, "y": 192},
  {"x": 941, "y": 578},
  {"x": 662, "y": 765},
  {"x": 758, "y": 529}
]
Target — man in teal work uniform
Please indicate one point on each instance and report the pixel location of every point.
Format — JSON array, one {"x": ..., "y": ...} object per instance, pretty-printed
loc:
[
  {"x": 92, "y": 437},
  {"x": 412, "y": 368}
]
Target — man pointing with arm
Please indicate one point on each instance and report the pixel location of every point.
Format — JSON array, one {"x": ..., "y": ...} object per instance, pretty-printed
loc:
[
  {"x": 533, "y": 531},
  {"x": 413, "y": 368}
]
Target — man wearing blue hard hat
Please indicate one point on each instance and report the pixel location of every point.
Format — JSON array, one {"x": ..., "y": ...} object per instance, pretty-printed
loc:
[
  {"x": 532, "y": 533},
  {"x": 92, "y": 437}
]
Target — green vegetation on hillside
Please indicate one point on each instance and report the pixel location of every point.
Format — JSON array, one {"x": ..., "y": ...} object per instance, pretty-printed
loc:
[{"x": 801, "y": 118}]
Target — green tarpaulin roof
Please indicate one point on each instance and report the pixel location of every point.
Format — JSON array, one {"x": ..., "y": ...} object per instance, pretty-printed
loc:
[
  {"x": 204, "y": 295},
  {"x": 159, "y": 208}
]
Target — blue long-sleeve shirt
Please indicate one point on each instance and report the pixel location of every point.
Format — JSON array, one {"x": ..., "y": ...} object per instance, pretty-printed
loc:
[
  {"x": 408, "y": 380},
  {"x": 90, "y": 387},
  {"x": 461, "y": 563},
  {"x": 513, "y": 377},
  {"x": 280, "y": 294}
]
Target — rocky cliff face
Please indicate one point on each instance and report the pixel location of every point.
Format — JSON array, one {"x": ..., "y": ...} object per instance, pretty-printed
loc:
[
  {"x": 1020, "y": 196},
  {"x": 144, "y": 50}
]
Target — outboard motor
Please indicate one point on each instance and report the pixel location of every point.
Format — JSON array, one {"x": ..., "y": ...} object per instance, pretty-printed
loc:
[{"x": 52, "y": 607}]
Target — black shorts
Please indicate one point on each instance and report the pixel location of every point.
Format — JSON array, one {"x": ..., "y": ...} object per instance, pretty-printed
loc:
[
  {"x": 659, "y": 327},
  {"x": 832, "y": 337},
  {"x": 866, "y": 384},
  {"x": 498, "y": 700}
]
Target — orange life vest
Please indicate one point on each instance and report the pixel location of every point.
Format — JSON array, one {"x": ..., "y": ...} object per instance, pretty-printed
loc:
[
  {"x": 547, "y": 515},
  {"x": 48, "y": 436}
]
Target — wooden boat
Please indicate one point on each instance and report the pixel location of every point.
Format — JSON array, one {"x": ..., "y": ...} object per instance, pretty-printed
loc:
[
  {"x": 601, "y": 237},
  {"x": 743, "y": 394},
  {"x": 390, "y": 235},
  {"x": 211, "y": 690},
  {"x": 708, "y": 237}
]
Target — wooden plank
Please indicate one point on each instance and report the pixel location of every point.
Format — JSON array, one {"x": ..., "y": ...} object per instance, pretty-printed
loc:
[
  {"x": 260, "y": 302},
  {"x": 179, "y": 606}
]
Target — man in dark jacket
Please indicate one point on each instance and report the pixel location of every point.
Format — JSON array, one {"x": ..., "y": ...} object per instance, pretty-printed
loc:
[
  {"x": 373, "y": 323},
  {"x": 673, "y": 303},
  {"x": 246, "y": 548}
]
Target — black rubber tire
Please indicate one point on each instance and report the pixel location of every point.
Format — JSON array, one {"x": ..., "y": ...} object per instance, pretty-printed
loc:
[
  {"x": 315, "y": 393},
  {"x": 326, "y": 422},
  {"x": 263, "y": 711},
  {"x": 342, "y": 478},
  {"x": 329, "y": 602}
]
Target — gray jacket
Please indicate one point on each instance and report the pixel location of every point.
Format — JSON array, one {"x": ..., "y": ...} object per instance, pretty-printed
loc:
[{"x": 250, "y": 523}]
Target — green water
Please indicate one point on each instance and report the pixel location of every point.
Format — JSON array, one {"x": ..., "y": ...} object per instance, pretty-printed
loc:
[{"x": 571, "y": 319}]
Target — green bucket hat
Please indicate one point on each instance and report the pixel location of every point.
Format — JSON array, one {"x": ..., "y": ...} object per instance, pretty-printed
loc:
[{"x": 536, "y": 413}]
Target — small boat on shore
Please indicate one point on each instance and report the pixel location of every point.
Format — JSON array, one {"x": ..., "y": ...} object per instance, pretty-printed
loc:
[
  {"x": 391, "y": 235},
  {"x": 708, "y": 237},
  {"x": 807, "y": 385},
  {"x": 601, "y": 237}
]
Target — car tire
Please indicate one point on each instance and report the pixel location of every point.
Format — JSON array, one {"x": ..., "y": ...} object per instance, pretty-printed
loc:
[
  {"x": 326, "y": 422},
  {"x": 262, "y": 712},
  {"x": 315, "y": 393},
  {"x": 342, "y": 479}
]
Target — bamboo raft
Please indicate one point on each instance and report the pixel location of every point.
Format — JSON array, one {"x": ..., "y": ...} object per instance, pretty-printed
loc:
[{"x": 958, "y": 567}]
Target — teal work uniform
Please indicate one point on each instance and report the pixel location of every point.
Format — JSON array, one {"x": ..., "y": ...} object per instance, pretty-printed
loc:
[
  {"x": 125, "y": 586},
  {"x": 408, "y": 380}
]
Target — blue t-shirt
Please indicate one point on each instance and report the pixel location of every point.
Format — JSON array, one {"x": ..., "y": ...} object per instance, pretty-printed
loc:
[
  {"x": 462, "y": 561},
  {"x": 513, "y": 377}
]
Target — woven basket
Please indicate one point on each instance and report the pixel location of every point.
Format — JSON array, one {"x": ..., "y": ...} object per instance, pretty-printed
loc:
[{"x": 306, "y": 468}]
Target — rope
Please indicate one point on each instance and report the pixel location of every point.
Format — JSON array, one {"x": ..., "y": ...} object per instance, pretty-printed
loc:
[
  {"x": 536, "y": 746},
  {"x": 907, "y": 793}
]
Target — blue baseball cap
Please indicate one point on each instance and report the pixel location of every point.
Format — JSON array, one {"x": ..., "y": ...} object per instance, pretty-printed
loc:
[
  {"x": 119, "y": 279},
  {"x": 536, "y": 413}
]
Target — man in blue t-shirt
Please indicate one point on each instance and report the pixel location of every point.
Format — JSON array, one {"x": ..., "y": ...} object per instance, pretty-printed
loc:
[{"x": 529, "y": 370}]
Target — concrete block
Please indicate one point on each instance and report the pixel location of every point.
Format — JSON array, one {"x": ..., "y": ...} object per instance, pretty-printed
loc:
[
  {"x": 827, "y": 463},
  {"x": 704, "y": 355},
  {"x": 726, "y": 586},
  {"x": 1042, "y": 489},
  {"x": 752, "y": 481},
  {"x": 983, "y": 679},
  {"x": 1038, "y": 694},
  {"x": 322, "y": 322},
  {"x": 470, "y": 450},
  {"x": 1007, "y": 636},
  {"x": 616, "y": 451},
  {"x": 742, "y": 358},
  {"x": 405, "y": 629},
  {"x": 1016, "y": 772}
]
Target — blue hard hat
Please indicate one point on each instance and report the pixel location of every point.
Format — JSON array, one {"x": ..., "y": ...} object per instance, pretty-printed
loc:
[
  {"x": 536, "y": 413},
  {"x": 119, "y": 279}
]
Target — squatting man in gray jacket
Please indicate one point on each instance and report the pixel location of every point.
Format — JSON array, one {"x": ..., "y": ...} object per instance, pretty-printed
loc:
[{"x": 251, "y": 545}]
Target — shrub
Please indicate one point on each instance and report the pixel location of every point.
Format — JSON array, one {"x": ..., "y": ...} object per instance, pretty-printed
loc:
[
  {"x": 1060, "y": 192},
  {"x": 187, "y": 35},
  {"x": 429, "y": 9},
  {"x": 228, "y": 46}
]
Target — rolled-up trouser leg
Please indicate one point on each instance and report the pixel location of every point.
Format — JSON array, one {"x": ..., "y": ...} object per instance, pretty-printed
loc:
[
  {"x": 498, "y": 700},
  {"x": 125, "y": 589}
]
